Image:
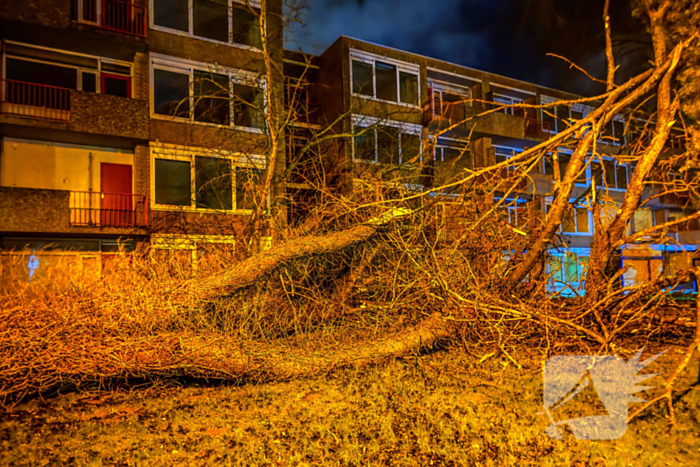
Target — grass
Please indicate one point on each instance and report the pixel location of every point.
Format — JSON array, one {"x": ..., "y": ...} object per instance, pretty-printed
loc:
[{"x": 444, "y": 408}]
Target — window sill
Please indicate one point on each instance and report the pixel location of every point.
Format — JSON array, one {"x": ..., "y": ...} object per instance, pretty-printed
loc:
[
  {"x": 156, "y": 116},
  {"x": 177, "y": 32},
  {"x": 383, "y": 101},
  {"x": 189, "y": 209}
]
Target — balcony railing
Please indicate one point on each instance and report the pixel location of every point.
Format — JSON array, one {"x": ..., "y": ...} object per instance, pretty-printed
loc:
[
  {"x": 114, "y": 15},
  {"x": 108, "y": 209},
  {"x": 34, "y": 100},
  {"x": 536, "y": 128}
]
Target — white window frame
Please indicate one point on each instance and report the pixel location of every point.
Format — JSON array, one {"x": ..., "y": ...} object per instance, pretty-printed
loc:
[
  {"x": 188, "y": 67},
  {"x": 371, "y": 59},
  {"x": 190, "y": 23},
  {"x": 589, "y": 172},
  {"x": 184, "y": 153},
  {"x": 511, "y": 152},
  {"x": 439, "y": 87},
  {"x": 587, "y": 169},
  {"x": 79, "y": 70},
  {"x": 548, "y": 203},
  {"x": 508, "y": 101},
  {"x": 364, "y": 121},
  {"x": 575, "y": 254}
]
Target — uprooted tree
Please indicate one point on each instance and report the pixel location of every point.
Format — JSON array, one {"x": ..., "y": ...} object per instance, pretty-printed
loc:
[{"x": 375, "y": 273}]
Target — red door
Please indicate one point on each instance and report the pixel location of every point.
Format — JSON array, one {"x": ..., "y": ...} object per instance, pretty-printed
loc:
[{"x": 116, "y": 209}]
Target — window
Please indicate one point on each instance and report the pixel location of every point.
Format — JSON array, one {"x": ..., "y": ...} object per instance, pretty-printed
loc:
[
  {"x": 173, "y": 185},
  {"x": 381, "y": 79},
  {"x": 247, "y": 180},
  {"x": 576, "y": 221},
  {"x": 449, "y": 104},
  {"x": 64, "y": 70},
  {"x": 614, "y": 174},
  {"x": 569, "y": 268},
  {"x": 232, "y": 97},
  {"x": 614, "y": 131},
  {"x": 502, "y": 155},
  {"x": 202, "y": 181},
  {"x": 213, "y": 186},
  {"x": 500, "y": 99},
  {"x": 563, "y": 160},
  {"x": 229, "y": 21},
  {"x": 116, "y": 85},
  {"x": 515, "y": 213},
  {"x": 386, "y": 144},
  {"x": 451, "y": 154}
]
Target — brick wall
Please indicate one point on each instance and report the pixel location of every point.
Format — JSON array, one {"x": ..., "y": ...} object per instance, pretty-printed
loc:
[{"x": 108, "y": 115}]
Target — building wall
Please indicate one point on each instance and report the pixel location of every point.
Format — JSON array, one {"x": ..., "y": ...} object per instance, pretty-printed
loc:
[{"x": 56, "y": 166}]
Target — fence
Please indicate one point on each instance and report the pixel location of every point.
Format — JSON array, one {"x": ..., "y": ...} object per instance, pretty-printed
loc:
[
  {"x": 108, "y": 209},
  {"x": 34, "y": 100}
]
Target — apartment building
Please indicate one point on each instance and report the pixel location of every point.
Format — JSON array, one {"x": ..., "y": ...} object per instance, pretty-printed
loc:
[
  {"x": 400, "y": 105},
  {"x": 132, "y": 123}
]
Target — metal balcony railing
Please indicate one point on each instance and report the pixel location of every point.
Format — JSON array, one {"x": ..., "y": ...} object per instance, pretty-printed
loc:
[
  {"x": 114, "y": 15},
  {"x": 536, "y": 128},
  {"x": 89, "y": 208},
  {"x": 34, "y": 100}
]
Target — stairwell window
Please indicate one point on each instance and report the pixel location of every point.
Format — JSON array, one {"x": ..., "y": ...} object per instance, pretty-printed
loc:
[
  {"x": 229, "y": 21},
  {"x": 197, "y": 93},
  {"x": 385, "y": 142},
  {"x": 384, "y": 79}
]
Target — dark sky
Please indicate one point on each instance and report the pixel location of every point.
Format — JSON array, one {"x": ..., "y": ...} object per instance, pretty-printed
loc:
[{"x": 508, "y": 37}]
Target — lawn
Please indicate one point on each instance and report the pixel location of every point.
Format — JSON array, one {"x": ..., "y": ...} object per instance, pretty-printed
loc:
[{"x": 443, "y": 408}]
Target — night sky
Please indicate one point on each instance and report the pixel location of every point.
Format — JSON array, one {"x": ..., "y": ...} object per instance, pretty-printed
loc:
[{"x": 508, "y": 37}]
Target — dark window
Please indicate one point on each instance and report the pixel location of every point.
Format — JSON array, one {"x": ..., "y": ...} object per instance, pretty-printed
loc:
[
  {"x": 410, "y": 146},
  {"x": 172, "y": 14},
  {"x": 171, "y": 93},
  {"x": 408, "y": 86},
  {"x": 89, "y": 82},
  {"x": 211, "y": 19},
  {"x": 116, "y": 85},
  {"x": 211, "y": 98},
  {"x": 247, "y": 180},
  {"x": 563, "y": 115},
  {"x": 621, "y": 176},
  {"x": 575, "y": 115},
  {"x": 549, "y": 119},
  {"x": 248, "y": 106},
  {"x": 173, "y": 182},
  {"x": 362, "y": 78},
  {"x": 608, "y": 130},
  {"x": 388, "y": 145},
  {"x": 213, "y": 184},
  {"x": 386, "y": 81},
  {"x": 364, "y": 144},
  {"x": 597, "y": 173},
  {"x": 41, "y": 73},
  {"x": 619, "y": 129},
  {"x": 246, "y": 26},
  {"x": 610, "y": 173}
]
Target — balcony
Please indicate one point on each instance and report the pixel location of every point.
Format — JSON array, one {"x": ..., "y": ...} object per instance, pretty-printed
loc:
[
  {"x": 34, "y": 100},
  {"x": 441, "y": 110},
  {"x": 536, "y": 128},
  {"x": 89, "y": 208},
  {"x": 33, "y": 210},
  {"x": 113, "y": 15}
]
